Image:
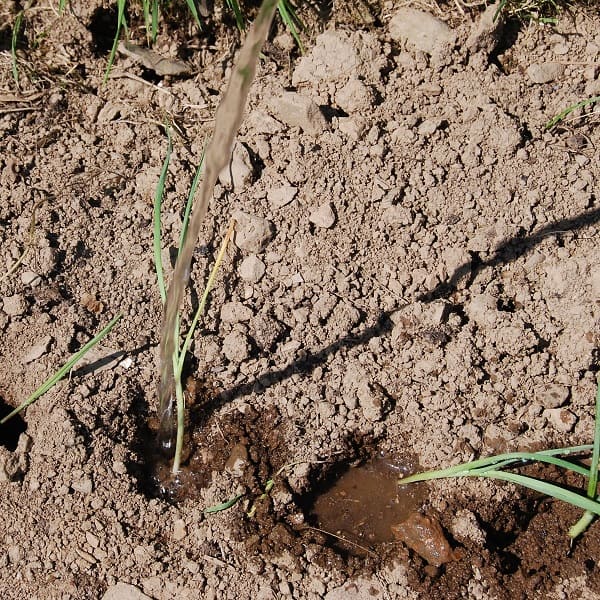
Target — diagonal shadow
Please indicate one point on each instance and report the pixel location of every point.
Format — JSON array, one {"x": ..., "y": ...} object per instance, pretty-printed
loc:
[{"x": 508, "y": 251}]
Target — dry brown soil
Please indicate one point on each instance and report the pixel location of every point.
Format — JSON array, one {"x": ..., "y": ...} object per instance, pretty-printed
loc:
[{"x": 424, "y": 287}]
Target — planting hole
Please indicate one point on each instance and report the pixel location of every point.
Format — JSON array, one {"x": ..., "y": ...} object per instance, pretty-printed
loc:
[
  {"x": 12, "y": 429},
  {"x": 103, "y": 27},
  {"x": 362, "y": 504}
]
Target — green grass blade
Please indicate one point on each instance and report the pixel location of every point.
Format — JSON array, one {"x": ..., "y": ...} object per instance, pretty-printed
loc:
[
  {"x": 61, "y": 6},
  {"x": 146, "y": 12},
  {"x": 234, "y": 5},
  {"x": 120, "y": 24},
  {"x": 593, "y": 482},
  {"x": 592, "y": 490},
  {"x": 155, "y": 9},
  {"x": 13, "y": 45},
  {"x": 500, "y": 8},
  {"x": 565, "y": 113},
  {"x": 558, "y": 462},
  {"x": 158, "y": 197},
  {"x": 54, "y": 379},
  {"x": 492, "y": 462},
  {"x": 192, "y": 7},
  {"x": 223, "y": 506},
  {"x": 288, "y": 15},
  {"x": 190, "y": 201},
  {"x": 180, "y": 400},
  {"x": 549, "y": 489}
]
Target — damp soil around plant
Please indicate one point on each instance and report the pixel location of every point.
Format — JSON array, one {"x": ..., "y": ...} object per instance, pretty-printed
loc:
[{"x": 413, "y": 284}]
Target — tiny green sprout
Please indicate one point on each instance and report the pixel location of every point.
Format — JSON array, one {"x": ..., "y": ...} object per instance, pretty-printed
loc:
[
  {"x": 269, "y": 486},
  {"x": 16, "y": 31},
  {"x": 567, "y": 111},
  {"x": 223, "y": 505}
]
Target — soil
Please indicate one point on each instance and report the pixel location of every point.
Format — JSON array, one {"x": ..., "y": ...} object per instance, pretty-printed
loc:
[{"x": 424, "y": 287}]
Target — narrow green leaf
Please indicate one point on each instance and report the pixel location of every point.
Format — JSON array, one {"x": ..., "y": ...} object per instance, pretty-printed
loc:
[
  {"x": 586, "y": 519},
  {"x": 13, "y": 45},
  {"x": 158, "y": 198},
  {"x": 492, "y": 462},
  {"x": 120, "y": 24},
  {"x": 291, "y": 21},
  {"x": 549, "y": 489},
  {"x": 155, "y": 9},
  {"x": 190, "y": 201},
  {"x": 593, "y": 482},
  {"x": 223, "y": 506},
  {"x": 565, "y": 113},
  {"x": 192, "y": 6},
  {"x": 54, "y": 379},
  {"x": 234, "y": 5}
]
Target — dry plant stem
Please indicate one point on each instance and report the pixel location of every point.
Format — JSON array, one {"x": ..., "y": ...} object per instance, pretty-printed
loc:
[{"x": 227, "y": 121}]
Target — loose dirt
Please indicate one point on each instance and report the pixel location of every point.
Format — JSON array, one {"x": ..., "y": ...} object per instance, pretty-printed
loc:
[{"x": 414, "y": 274}]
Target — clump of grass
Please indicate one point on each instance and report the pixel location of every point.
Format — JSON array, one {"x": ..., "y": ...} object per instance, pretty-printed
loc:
[
  {"x": 14, "y": 39},
  {"x": 56, "y": 377},
  {"x": 543, "y": 11},
  {"x": 227, "y": 121},
  {"x": 495, "y": 467},
  {"x": 179, "y": 353},
  {"x": 151, "y": 12}
]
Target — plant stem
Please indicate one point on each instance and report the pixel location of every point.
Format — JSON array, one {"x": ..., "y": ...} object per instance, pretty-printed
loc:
[
  {"x": 227, "y": 120},
  {"x": 588, "y": 516},
  {"x": 180, "y": 397}
]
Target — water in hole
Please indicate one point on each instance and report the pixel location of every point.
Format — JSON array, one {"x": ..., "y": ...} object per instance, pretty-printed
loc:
[{"x": 365, "y": 502}]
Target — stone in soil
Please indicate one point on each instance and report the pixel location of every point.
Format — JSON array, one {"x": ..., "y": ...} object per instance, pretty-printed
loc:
[
  {"x": 420, "y": 30},
  {"x": 252, "y": 233},
  {"x": 323, "y": 216},
  {"x": 297, "y": 110},
  {"x": 252, "y": 269}
]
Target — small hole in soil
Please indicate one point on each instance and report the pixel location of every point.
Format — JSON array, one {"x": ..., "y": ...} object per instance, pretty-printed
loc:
[
  {"x": 359, "y": 505},
  {"x": 12, "y": 429},
  {"x": 103, "y": 27}
]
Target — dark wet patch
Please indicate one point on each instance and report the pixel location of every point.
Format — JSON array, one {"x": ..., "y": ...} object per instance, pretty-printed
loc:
[{"x": 360, "y": 505}]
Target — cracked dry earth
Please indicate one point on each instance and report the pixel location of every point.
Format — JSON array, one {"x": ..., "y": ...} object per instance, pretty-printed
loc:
[{"x": 414, "y": 277}]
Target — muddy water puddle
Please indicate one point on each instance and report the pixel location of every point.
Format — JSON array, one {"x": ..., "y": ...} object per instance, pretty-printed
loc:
[
  {"x": 360, "y": 506},
  {"x": 351, "y": 510}
]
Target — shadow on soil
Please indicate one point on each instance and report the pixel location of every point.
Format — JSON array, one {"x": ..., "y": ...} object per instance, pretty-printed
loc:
[
  {"x": 12, "y": 429},
  {"x": 508, "y": 251}
]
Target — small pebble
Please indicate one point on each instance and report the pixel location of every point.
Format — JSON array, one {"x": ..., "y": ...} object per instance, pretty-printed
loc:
[
  {"x": 545, "y": 72},
  {"x": 38, "y": 350},
  {"x": 236, "y": 346},
  {"x": 323, "y": 216},
  {"x": 297, "y": 110},
  {"x": 252, "y": 233},
  {"x": 14, "y": 306},
  {"x": 281, "y": 196},
  {"x": 421, "y": 30},
  {"x": 179, "y": 530},
  {"x": 30, "y": 278},
  {"x": 252, "y": 269},
  {"x": 238, "y": 173},
  {"x": 562, "y": 419},
  {"x": 124, "y": 591},
  {"x": 554, "y": 396},
  {"x": 235, "y": 312}
]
